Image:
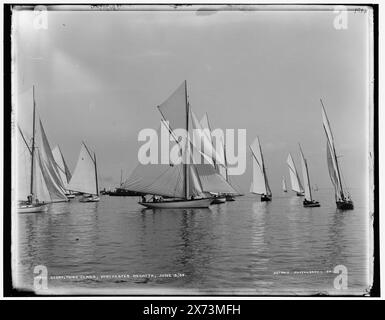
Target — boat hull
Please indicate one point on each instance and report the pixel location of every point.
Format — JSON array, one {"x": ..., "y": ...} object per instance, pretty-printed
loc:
[
  {"x": 311, "y": 204},
  {"x": 300, "y": 194},
  {"x": 218, "y": 200},
  {"x": 195, "y": 203},
  {"x": 32, "y": 208},
  {"x": 345, "y": 205},
  {"x": 265, "y": 197},
  {"x": 90, "y": 199},
  {"x": 230, "y": 198}
]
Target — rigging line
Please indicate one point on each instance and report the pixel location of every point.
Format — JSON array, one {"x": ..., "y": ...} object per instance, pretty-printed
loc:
[
  {"x": 179, "y": 179},
  {"x": 25, "y": 141},
  {"x": 150, "y": 184}
]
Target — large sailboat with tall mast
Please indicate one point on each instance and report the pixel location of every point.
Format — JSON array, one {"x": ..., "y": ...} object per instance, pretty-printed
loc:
[
  {"x": 38, "y": 182},
  {"x": 296, "y": 184},
  {"x": 308, "y": 201},
  {"x": 259, "y": 184},
  {"x": 343, "y": 200},
  {"x": 189, "y": 184},
  {"x": 85, "y": 176}
]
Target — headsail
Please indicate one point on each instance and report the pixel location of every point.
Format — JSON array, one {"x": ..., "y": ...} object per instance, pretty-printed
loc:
[
  {"x": 64, "y": 173},
  {"x": 259, "y": 183},
  {"x": 305, "y": 175},
  {"x": 84, "y": 176},
  {"x": 294, "y": 178}
]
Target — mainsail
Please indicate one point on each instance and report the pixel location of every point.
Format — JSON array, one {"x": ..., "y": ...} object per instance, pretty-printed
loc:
[
  {"x": 84, "y": 177},
  {"x": 305, "y": 175},
  {"x": 332, "y": 161},
  {"x": 259, "y": 184},
  {"x": 294, "y": 178}
]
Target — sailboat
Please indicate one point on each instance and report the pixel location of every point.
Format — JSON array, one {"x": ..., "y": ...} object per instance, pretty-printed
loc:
[
  {"x": 296, "y": 184},
  {"x": 259, "y": 184},
  {"x": 343, "y": 199},
  {"x": 85, "y": 176},
  {"x": 284, "y": 188},
  {"x": 308, "y": 201},
  {"x": 64, "y": 172},
  {"x": 189, "y": 184},
  {"x": 31, "y": 188}
]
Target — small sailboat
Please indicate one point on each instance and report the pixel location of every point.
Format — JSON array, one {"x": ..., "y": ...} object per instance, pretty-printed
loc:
[
  {"x": 85, "y": 176},
  {"x": 343, "y": 200},
  {"x": 308, "y": 201},
  {"x": 259, "y": 184},
  {"x": 64, "y": 172},
  {"x": 284, "y": 188},
  {"x": 296, "y": 184}
]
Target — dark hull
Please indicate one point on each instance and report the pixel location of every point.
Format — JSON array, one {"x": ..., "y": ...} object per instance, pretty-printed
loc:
[
  {"x": 218, "y": 200},
  {"x": 265, "y": 198},
  {"x": 124, "y": 193},
  {"x": 345, "y": 205},
  {"x": 311, "y": 204},
  {"x": 230, "y": 198},
  {"x": 300, "y": 194}
]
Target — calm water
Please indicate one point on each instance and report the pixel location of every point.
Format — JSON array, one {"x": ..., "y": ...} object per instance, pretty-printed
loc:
[{"x": 241, "y": 247}]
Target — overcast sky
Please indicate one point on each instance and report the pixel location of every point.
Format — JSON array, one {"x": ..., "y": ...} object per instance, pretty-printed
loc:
[{"x": 100, "y": 75}]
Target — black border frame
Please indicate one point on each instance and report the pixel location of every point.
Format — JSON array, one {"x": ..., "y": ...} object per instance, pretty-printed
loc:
[{"x": 10, "y": 291}]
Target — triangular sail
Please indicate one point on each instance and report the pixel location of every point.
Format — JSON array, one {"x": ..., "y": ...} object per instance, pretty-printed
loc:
[
  {"x": 259, "y": 183},
  {"x": 84, "y": 176},
  {"x": 62, "y": 168},
  {"x": 284, "y": 188},
  {"x": 294, "y": 178},
  {"x": 306, "y": 179},
  {"x": 47, "y": 157},
  {"x": 332, "y": 161}
]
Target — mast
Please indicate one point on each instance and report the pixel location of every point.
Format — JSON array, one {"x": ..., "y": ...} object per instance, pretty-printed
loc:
[
  {"x": 334, "y": 154},
  {"x": 33, "y": 138},
  {"x": 263, "y": 168},
  {"x": 96, "y": 176},
  {"x": 307, "y": 172},
  {"x": 226, "y": 170},
  {"x": 185, "y": 165}
]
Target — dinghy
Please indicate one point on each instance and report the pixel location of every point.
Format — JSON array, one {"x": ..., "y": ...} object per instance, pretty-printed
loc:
[
  {"x": 343, "y": 200},
  {"x": 308, "y": 201},
  {"x": 259, "y": 184}
]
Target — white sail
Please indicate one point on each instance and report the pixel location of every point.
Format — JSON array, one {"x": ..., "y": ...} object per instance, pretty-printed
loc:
[
  {"x": 217, "y": 147},
  {"x": 284, "y": 188},
  {"x": 259, "y": 183},
  {"x": 332, "y": 158},
  {"x": 59, "y": 160},
  {"x": 84, "y": 176},
  {"x": 221, "y": 168},
  {"x": 306, "y": 179},
  {"x": 47, "y": 157},
  {"x": 23, "y": 172},
  {"x": 294, "y": 178}
]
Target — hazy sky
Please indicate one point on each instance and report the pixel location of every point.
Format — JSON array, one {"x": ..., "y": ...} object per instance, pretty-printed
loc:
[{"x": 99, "y": 76}]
